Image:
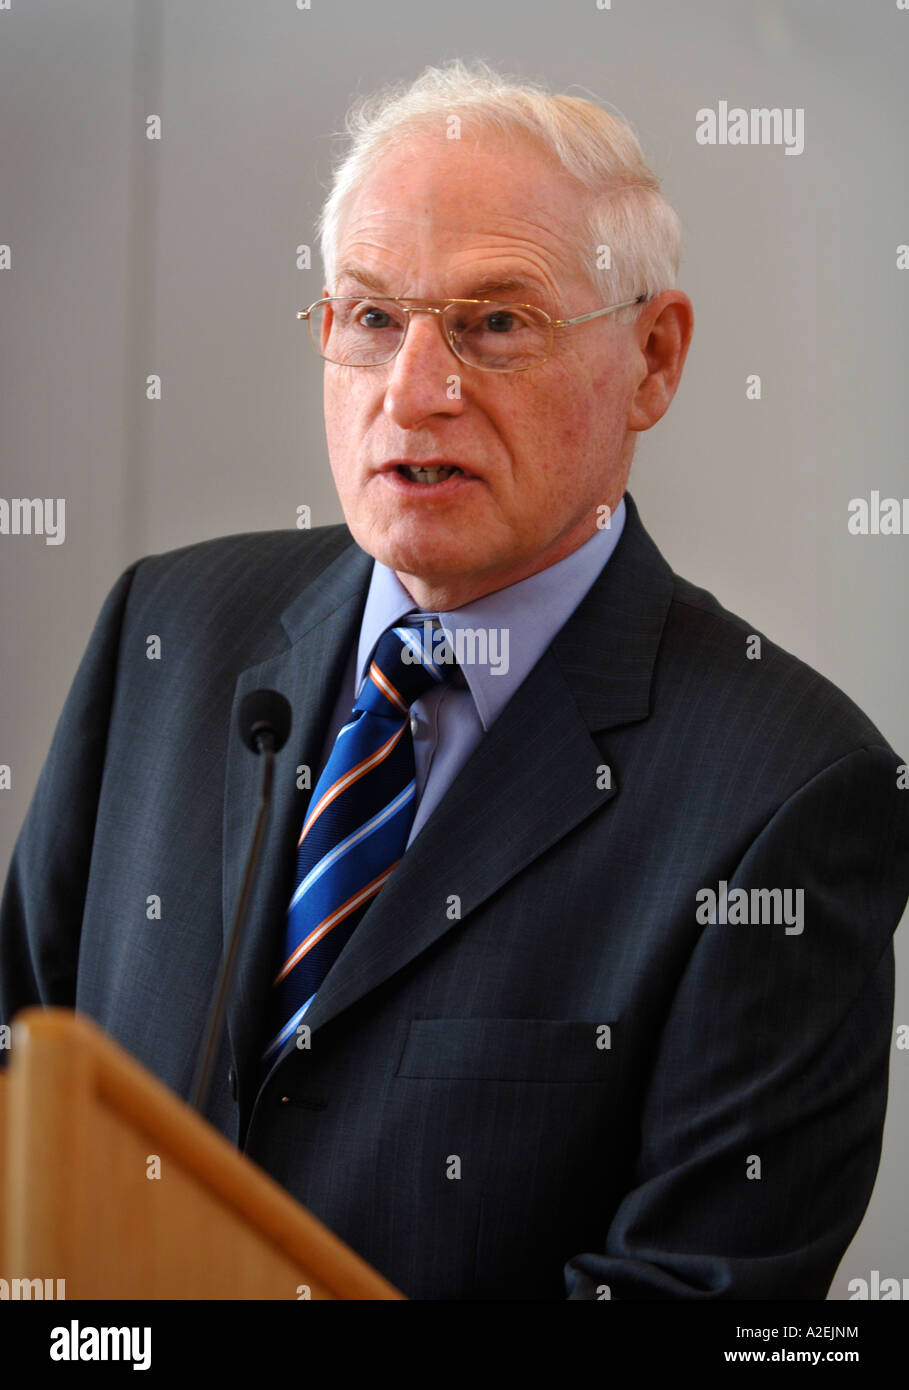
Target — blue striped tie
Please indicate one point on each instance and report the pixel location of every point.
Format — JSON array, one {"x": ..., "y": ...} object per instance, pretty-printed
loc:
[{"x": 358, "y": 821}]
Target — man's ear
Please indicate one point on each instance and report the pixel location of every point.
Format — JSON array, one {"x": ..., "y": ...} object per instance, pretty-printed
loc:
[
  {"x": 664, "y": 330},
  {"x": 326, "y": 294}
]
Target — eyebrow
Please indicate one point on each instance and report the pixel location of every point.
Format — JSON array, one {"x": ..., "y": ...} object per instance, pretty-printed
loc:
[{"x": 488, "y": 286}]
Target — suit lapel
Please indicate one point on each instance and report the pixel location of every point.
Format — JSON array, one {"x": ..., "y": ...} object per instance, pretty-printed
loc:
[
  {"x": 319, "y": 627},
  {"x": 532, "y": 778}
]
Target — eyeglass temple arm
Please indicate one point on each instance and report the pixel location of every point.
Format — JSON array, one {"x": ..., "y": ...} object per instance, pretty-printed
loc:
[{"x": 611, "y": 309}]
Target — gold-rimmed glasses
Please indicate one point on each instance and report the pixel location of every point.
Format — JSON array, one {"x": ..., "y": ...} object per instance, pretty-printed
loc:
[{"x": 361, "y": 331}]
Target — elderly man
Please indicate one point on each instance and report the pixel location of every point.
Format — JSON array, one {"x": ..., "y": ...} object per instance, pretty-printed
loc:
[{"x": 569, "y": 971}]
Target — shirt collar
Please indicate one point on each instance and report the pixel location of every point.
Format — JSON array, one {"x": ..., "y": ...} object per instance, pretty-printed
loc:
[{"x": 519, "y": 622}]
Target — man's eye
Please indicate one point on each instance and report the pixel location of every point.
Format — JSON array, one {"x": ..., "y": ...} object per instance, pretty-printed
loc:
[
  {"x": 500, "y": 322},
  {"x": 369, "y": 316}
]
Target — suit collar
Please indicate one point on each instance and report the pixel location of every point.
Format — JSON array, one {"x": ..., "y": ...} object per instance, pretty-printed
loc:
[
  {"x": 607, "y": 649},
  {"x": 346, "y": 579}
]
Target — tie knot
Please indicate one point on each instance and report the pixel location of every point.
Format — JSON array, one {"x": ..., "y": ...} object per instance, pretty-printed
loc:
[{"x": 410, "y": 659}]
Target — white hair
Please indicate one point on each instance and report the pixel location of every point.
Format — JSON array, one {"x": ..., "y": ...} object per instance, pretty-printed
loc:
[{"x": 626, "y": 214}]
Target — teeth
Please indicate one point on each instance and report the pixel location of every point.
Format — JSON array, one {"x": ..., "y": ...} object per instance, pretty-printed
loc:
[{"x": 429, "y": 475}]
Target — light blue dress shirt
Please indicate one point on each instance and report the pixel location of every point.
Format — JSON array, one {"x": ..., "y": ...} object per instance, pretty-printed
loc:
[{"x": 450, "y": 720}]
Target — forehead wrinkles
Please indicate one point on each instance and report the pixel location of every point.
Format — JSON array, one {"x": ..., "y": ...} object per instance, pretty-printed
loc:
[
  {"x": 396, "y": 248},
  {"x": 434, "y": 209}
]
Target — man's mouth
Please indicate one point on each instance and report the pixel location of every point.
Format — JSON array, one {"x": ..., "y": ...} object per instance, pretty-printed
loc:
[{"x": 426, "y": 475}]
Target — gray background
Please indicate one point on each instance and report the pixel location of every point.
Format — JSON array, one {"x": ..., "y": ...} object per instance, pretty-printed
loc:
[{"x": 178, "y": 257}]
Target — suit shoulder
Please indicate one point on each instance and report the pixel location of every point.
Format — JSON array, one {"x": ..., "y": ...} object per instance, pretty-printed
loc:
[
  {"x": 745, "y": 679},
  {"x": 320, "y": 544},
  {"x": 254, "y": 566}
]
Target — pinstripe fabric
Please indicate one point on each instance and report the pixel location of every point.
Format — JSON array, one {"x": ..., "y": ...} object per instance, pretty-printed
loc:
[{"x": 357, "y": 824}]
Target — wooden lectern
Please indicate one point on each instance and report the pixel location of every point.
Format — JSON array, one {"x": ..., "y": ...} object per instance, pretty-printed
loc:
[{"x": 81, "y": 1124}]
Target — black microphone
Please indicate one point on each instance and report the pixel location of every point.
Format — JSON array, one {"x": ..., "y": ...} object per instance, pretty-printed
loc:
[
  {"x": 264, "y": 719},
  {"x": 264, "y": 715}
]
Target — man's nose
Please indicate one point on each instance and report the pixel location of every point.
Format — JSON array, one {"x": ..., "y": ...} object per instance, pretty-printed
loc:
[{"x": 425, "y": 377}]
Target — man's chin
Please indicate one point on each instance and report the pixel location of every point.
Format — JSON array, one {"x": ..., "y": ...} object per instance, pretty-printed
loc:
[
  {"x": 434, "y": 585},
  {"x": 428, "y": 555},
  {"x": 430, "y": 568}
]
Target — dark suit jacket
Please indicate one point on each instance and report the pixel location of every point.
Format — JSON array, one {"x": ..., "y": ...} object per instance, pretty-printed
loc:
[{"x": 459, "y": 1118}]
